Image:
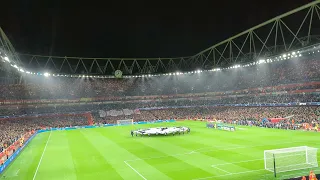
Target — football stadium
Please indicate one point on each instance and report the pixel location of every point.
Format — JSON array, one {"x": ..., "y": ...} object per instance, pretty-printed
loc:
[{"x": 245, "y": 108}]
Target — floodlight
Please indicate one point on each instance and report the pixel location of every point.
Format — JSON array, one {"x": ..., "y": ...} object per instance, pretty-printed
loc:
[
  {"x": 6, "y": 59},
  {"x": 262, "y": 61},
  {"x": 284, "y": 55},
  {"x": 198, "y": 71},
  {"x": 21, "y": 70},
  {"x": 293, "y": 53},
  {"x": 46, "y": 74}
]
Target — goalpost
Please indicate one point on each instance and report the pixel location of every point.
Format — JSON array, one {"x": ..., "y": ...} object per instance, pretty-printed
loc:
[
  {"x": 290, "y": 159},
  {"x": 125, "y": 122}
]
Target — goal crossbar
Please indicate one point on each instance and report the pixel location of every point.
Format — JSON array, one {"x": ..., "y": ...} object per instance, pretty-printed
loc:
[
  {"x": 290, "y": 159},
  {"x": 292, "y": 149}
]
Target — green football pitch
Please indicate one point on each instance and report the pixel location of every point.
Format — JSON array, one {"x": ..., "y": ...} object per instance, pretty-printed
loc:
[{"x": 111, "y": 153}]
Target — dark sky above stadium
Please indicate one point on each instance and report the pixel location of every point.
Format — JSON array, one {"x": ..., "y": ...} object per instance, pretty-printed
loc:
[{"x": 132, "y": 28}]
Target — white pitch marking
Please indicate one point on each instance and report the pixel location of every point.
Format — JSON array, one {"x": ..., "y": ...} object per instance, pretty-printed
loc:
[
  {"x": 35, "y": 174},
  {"x": 242, "y": 172},
  {"x": 222, "y": 170},
  {"x": 134, "y": 170},
  {"x": 210, "y": 150},
  {"x": 236, "y": 162},
  {"x": 17, "y": 172}
]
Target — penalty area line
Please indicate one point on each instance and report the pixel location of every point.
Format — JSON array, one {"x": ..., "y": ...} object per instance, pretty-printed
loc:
[
  {"x": 242, "y": 172},
  {"x": 223, "y": 170},
  {"x": 44, "y": 150},
  {"x": 211, "y": 149},
  {"x": 135, "y": 170}
]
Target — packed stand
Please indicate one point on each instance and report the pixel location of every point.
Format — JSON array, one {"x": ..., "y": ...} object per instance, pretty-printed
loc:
[
  {"x": 258, "y": 76},
  {"x": 12, "y": 129}
]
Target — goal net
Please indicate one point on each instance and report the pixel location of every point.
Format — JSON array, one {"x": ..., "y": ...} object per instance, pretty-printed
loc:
[
  {"x": 124, "y": 122},
  {"x": 290, "y": 159}
]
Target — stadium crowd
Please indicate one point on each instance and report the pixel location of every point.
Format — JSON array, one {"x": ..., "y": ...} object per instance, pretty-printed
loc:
[
  {"x": 258, "y": 76},
  {"x": 13, "y": 129},
  {"x": 294, "y": 81}
]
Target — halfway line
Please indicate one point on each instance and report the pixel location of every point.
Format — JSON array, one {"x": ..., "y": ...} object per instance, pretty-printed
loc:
[{"x": 35, "y": 174}]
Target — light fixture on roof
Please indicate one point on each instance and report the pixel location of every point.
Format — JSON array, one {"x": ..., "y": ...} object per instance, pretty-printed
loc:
[
  {"x": 262, "y": 61},
  {"x": 6, "y": 59},
  {"x": 46, "y": 74}
]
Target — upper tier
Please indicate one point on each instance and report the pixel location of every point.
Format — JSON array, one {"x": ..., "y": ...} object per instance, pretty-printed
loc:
[{"x": 261, "y": 75}]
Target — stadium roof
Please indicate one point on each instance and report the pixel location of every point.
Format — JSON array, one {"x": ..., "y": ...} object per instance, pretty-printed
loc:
[{"x": 295, "y": 30}]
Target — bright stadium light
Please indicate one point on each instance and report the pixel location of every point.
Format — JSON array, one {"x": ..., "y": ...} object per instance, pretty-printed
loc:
[
  {"x": 6, "y": 59},
  {"x": 262, "y": 61},
  {"x": 21, "y": 70},
  {"x": 198, "y": 71},
  {"x": 236, "y": 66},
  {"x": 46, "y": 74},
  {"x": 15, "y": 66}
]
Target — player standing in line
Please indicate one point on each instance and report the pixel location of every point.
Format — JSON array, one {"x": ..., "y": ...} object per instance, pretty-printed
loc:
[{"x": 132, "y": 133}]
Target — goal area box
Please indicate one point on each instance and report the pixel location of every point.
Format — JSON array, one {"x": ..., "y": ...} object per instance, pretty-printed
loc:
[{"x": 290, "y": 159}]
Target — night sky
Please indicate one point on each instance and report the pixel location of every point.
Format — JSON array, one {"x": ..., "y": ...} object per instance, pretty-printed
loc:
[{"x": 132, "y": 28}]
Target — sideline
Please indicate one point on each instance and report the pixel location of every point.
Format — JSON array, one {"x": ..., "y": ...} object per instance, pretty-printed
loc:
[{"x": 44, "y": 150}]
